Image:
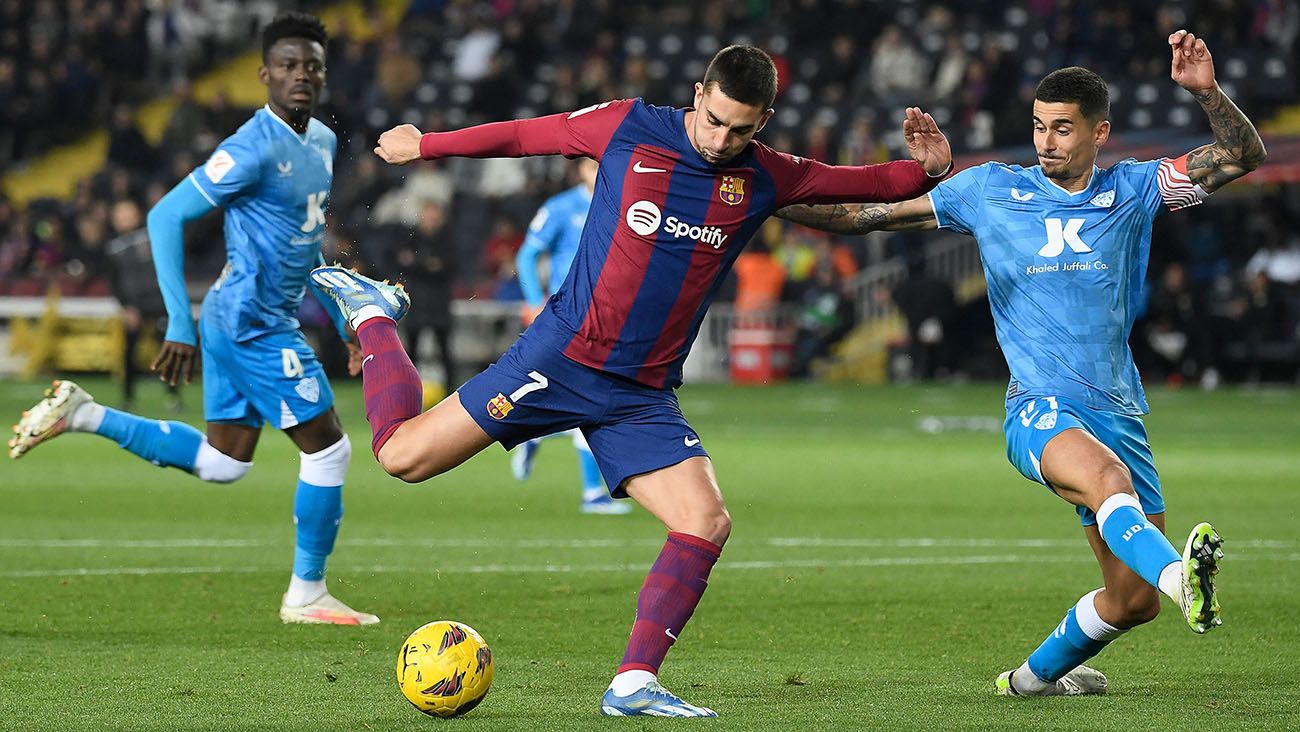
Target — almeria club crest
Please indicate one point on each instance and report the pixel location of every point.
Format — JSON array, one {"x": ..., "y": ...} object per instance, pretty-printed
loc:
[{"x": 732, "y": 190}]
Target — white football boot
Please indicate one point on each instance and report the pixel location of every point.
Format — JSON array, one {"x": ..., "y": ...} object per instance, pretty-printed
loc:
[
  {"x": 49, "y": 418},
  {"x": 1081, "y": 680},
  {"x": 325, "y": 610}
]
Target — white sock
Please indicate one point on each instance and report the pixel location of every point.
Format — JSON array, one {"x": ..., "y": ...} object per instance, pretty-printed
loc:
[
  {"x": 366, "y": 313},
  {"x": 1171, "y": 581},
  {"x": 303, "y": 592},
  {"x": 86, "y": 418},
  {"x": 629, "y": 681},
  {"x": 1026, "y": 682}
]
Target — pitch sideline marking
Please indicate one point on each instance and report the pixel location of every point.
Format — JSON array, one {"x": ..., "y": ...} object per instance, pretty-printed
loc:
[{"x": 597, "y": 568}]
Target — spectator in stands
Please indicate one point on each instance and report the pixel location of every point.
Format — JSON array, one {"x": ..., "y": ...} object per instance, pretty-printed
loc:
[
  {"x": 928, "y": 304},
  {"x": 426, "y": 262},
  {"x": 126, "y": 144},
  {"x": 898, "y": 71},
  {"x": 759, "y": 276},
  {"x": 1172, "y": 328},
  {"x": 825, "y": 316},
  {"x": 135, "y": 287}
]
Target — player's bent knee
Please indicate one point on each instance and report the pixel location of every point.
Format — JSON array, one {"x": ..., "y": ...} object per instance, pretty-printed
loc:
[
  {"x": 405, "y": 463},
  {"x": 714, "y": 525},
  {"x": 215, "y": 466}
]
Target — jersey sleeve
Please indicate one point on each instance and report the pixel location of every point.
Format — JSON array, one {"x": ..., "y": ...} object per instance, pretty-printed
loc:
[
  {"x": 802, "y": 180},
  {"x": 958, "y": 201},
  {"x": 1163, "y": 184},
  {"x": 585, "y": 132},
  {"x": 233, "y": 170}
]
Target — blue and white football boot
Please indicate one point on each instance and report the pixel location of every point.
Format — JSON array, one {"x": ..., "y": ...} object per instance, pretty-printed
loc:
[
  {"x": 359, "y": 297},
  {"x": 651, "y": 700}
]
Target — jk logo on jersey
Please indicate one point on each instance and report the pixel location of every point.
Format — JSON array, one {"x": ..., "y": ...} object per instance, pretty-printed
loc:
[
  {"x": 315, "y": 212},
  {"x": 1059, "y": 235}
]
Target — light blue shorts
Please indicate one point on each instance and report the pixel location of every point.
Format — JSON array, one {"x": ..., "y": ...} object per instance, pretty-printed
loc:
[
  {"x": 273, "y": 378},
  {"x": 1032, "y": 421}
]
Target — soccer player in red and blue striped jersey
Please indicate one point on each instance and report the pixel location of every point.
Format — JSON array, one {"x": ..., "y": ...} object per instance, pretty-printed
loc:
[{"x": 678, "y": 194}]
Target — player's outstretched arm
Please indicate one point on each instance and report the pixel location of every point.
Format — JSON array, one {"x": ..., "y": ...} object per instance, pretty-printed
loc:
[
  {"x": 916, "y": 214},
  {"x": 1237, "y": 148}
]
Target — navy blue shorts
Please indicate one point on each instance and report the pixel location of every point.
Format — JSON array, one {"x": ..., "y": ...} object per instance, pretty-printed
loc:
[
  {"x": 1032, "y": 422},
  {"x": 534, "y": 390}
]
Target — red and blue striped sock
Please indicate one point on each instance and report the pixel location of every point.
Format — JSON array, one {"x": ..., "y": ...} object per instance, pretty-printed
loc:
[
  {"x": 392, "y": 386},
  {"x": 668, "y": 599}
]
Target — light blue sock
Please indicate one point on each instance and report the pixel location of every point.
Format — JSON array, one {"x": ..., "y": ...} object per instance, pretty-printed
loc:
[
  {"x": 1136, "y": 541},
  {"x": 590, "y": 470},
  {"x": 1079, "y": 637},
  {"x": 317, "y": 511},
  {"x": 167, "y": 444}
]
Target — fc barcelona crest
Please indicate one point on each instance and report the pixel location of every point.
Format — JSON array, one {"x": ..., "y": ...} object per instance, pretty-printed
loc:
[
  {"x": 499, "y": 406},
  {"x": 732, "y": 190}
]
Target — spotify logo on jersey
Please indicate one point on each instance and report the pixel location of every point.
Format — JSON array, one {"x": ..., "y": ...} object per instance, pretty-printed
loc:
[{"x": 643, "y": 217}]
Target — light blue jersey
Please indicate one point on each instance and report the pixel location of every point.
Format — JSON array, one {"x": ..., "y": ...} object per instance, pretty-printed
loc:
[
  {"x": 555, "y": 230},
  {"x": 274, "y": 186},
  {"x": 1065, "y": 270}
]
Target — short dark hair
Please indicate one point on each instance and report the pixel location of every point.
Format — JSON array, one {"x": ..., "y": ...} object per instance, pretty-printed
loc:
[
  {"x": 744, "y": 73},
  {"x": 1079, "y": 85},
  {"x": 293, "y": 24}
]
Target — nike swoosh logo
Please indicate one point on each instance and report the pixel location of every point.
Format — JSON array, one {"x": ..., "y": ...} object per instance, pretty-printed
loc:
[
  {"x": 669, "y": 632},
  {"x": 637, "y": 167},
  {"x": 691, "y": 443},
  {"x": 366, "y": 360}
]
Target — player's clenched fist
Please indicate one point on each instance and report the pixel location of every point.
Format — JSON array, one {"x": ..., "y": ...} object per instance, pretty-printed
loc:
[{"x": 399, "y": 145}]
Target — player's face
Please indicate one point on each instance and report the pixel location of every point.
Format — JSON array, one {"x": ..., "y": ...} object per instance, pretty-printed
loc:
[
  {"x": 1066, "y": 141},
  {"x": 294, "y": 74},
  {"x": 724, "y": 126}
]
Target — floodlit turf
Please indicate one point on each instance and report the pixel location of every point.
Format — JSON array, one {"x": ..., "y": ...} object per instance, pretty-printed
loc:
[{"x": 878, "y": 577}]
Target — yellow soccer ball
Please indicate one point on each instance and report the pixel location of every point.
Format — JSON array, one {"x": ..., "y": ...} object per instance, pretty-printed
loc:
[{"x": 444, "y": 668}]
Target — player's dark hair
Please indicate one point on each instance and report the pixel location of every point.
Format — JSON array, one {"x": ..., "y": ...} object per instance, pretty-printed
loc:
[
  {"x": 744, "y": 73},
  {"x": 1079, "y": 85},
  {"x": 293, "y": 24}
]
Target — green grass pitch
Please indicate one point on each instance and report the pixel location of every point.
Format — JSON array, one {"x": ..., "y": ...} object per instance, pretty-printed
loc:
[{"x": 879, "y": 576}]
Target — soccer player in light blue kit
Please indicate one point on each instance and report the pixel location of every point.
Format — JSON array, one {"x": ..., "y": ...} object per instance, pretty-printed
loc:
[
  {"x": 1065, "y": 247},
  {"x": 555, "y": 231},
  {"x": 273, "y": 178}
]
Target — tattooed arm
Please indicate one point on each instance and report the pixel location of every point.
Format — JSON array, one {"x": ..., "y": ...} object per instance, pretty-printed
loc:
[
  {"x": 1236, "y": 149},
  {"x": 916, "y": 214}
]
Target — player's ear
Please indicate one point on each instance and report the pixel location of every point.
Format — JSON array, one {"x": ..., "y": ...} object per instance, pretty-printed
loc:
[
  {"x": 1102, "y": 132},
  {"x": 264, "y": 75},
  {"x": 699, "y": 94},
  {"x": 762, "y": 121}
]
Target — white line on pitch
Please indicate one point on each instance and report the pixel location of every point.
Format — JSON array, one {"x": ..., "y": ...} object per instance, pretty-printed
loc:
[
  {"x": 793, "y": 541},
  {"x": 601, "y": 568}
]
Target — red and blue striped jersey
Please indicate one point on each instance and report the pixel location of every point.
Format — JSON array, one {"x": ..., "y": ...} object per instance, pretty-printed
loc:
[{"x": 665, "y": 226}]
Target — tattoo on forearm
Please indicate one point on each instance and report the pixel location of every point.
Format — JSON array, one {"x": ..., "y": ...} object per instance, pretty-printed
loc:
[
  {"x": 858, "y": 219},
  {"x": 1237, "y": 147}
]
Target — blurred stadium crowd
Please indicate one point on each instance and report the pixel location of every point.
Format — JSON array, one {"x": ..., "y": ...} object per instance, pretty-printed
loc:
[{"x": 1224, "y": 295}]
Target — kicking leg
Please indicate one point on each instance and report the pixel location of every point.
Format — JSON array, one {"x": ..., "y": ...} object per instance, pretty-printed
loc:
[
  {"x": 223, "y": 456},
  {"x": 1086, "y": 473},
  {"x": 409, "y": 445},
  {"x": 685, "y": 497}
]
